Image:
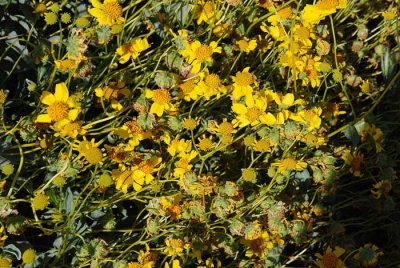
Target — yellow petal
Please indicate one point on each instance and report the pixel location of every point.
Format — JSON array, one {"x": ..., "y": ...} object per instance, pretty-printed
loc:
[
  {"x": 47, "y": 98},
  {"x": 288, "y": 99},
  {"x": 43, "y": 118},
  {"x": 61, "y": 92},
  {"x": 239, "y": 108},
  {"x": 73, "y": 114}
]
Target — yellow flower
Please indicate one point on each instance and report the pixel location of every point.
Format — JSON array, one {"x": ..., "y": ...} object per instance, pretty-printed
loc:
[
  {"x": 132, "y": 49},
  {"x": 161, "y": 101},
  {"x": 187, "y": 90},
  {"x": 7, "y": 169},
  {"x": 368, "y": 254},
  {"x": 89, "y": 150},
  {"x": 206, "y": 144},
  {"x": 29, "y": 256},
  {"x": 280, "y": 16},
  {"x": 190, "y": 123},
  {"x": 183, "y": 164},
  {"x": 210, "y": 85},
  {"x": 354, "y": 161},
  {"x": 246, "y": 45},
  {"x": 225, "y": 128},
  {"x": 311, "y": 118},
  {"x": 66, "y": 65},
  {"x": 177, "y": 146},
  {"x": 242, "y": 83},
  {"x": 73, "y": 129},
  {"x": 136, "y": 176},
  {"x": 313, "y": 14},
  {"x": 205, "y": 11},
  {"x": 289, "y": 164},
  {"x": 173, "y": 246},
  {"x": 249, "y": 174},
  {"x": 381, "y": 188},
  {"x": 50, "y": 18},
  {"x": 223, "y": 30},
  {"x": 331, "y": 258},
  {"x": 196, "y": 53},
  {"x": 134, "y": 132},
  {"x": 61, "y": 109},
  {"x": 40, "y": 201},
  {"x": 253, "y": 112},
  {"x": 109, "y": 13}
]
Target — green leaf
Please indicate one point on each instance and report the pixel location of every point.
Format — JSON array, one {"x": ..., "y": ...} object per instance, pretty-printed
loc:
[{"x": 351, "y": 134}]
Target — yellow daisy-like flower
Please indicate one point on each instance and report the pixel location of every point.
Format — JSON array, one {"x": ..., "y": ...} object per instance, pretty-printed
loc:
[
  {"x": 205, "y": 11},
  {"x": 190, "y": 123},
  {"x": 50, "y": 18},
  {"x": 243, "y": 82},
  {"x": 187, "y": 90},
  {"x": 109, "y": 13},
  {"x": 246, "y": 45},
  {"x": 331, "y": 258},
  {"x": 368, "y": 255},
  {"x": 66, "y": 65},
  {"x": 205, "y": 144},
  {"x": 225, "y": 128},
  {"x": 252, "y": 112},
  {"x": 73, "y": 129},
  {"x": 196, "y": 53},
  {"x": 136, "y": 176},
  {"x": 174, "y": 246},
  {"x": 40, "y": 201},
  {"x": 89, "y": 150},
  {"x": 7, "y": 169},
  {"x": 289, "y": 164},
  {"x": 132, "y": 49},
  {"x": 211, "y": 85},
  {"x": 61, "y": 109},
  {"x": 311, "y": 118},
  {"x": 161, "y": 101},
  {"x": 313, "y": 14},
  {"x": 183, "y": 164}
]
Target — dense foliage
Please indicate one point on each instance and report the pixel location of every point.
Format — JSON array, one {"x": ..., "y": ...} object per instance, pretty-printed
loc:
[{"x": 199, "y": 133}]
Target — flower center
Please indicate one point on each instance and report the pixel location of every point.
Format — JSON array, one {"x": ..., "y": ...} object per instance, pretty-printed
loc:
[
  {"x": 249, "y": 174},
  {"x": 225, "y": 128},
  {"x": 253, "y": 114},
  {"x": 146, "y": 167},
  {"x": 243, "y": 44},
  {"x": 303, "y": 33},
  {"x": 188, "y": 86},
  {"x": 213, "y": 81},
  {"x": 244, "y": 79},
  {"x": 161, "y": 96},
  {"x": 330, "y": 260},
  {"x": 112, "y": 10},
  {"x": 94, "y": 155},
  {"x": 58, "y": 111},
  {"x": 203, "y": 52},
  {"x": 205, "y": 144},
  {"x": 289, "y": 163},
  {"x": 190, "y": 123}
]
